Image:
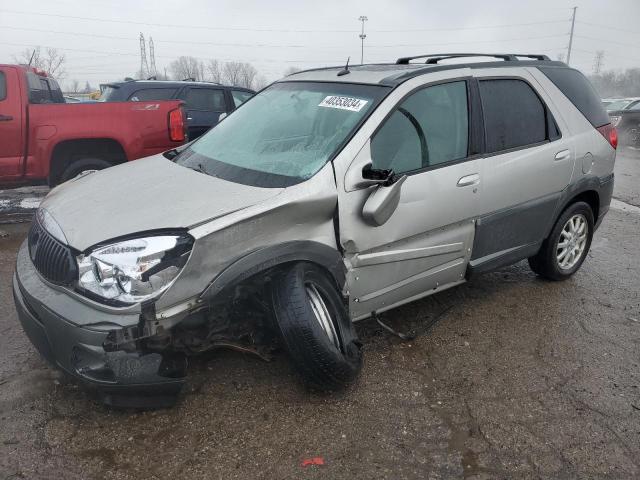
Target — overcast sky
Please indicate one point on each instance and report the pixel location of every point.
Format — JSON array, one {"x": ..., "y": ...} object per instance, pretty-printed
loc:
[{"x": 101, "y": 38}]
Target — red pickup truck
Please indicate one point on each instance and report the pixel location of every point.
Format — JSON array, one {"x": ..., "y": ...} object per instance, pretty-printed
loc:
[{"x": 44, "y": 139}]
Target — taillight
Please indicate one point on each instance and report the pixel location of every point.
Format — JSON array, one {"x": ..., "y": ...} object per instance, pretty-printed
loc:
[
  {"x": 609, "y": 132},
  {"x": 176, "y": 125}
]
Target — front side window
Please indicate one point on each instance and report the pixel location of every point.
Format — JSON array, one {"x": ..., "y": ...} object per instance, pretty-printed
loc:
[
  {"x": 3, "y": 86},
  {"x": 285, "y": 134},
  {"x": 205, "y": 99},
  {"x": 514, "y": 115},
  {"x": 152, "y": 94},
  {"x": 429, "y": 128}
]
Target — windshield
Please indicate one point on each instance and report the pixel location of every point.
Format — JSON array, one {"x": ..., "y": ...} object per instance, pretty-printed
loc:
[{"x": 283, "y": 135}]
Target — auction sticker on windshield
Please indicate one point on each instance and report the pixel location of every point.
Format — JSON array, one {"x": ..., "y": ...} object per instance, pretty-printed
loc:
[{"x": 343, "y": 103}]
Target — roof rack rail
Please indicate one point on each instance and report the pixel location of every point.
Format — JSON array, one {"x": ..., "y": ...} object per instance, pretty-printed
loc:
[{"x": 436, "y": 57}]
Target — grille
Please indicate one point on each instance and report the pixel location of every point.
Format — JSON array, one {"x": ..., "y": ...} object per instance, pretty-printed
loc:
[{"x": 52, "y": 259}]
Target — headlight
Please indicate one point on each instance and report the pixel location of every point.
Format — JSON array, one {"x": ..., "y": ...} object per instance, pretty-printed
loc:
[{"x": 133, "y": 270}]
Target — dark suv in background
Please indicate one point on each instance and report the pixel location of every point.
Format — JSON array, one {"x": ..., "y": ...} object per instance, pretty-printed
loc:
[{"x": 204, "y": 101}]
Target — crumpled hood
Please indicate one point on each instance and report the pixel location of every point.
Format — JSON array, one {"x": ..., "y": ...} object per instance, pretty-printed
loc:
[{"x": 149, "y": 194}]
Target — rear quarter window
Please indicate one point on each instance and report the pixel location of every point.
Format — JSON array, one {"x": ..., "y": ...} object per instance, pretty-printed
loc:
[{"x": 575, "y": 86}]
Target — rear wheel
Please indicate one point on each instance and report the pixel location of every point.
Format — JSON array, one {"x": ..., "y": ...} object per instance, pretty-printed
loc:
[
  {"x": 563, "y": 252},
  {"x": 83, "y": 165},
  {"x": 315, "y": 327}
]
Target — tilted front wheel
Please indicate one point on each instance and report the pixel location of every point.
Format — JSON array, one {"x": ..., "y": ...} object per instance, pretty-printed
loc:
[
  {"x": 563, "y": 252},
  {"x": 315, "y": 327}
]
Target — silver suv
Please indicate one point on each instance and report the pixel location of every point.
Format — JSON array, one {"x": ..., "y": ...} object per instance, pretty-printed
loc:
[{"x": 331, "y": 196}]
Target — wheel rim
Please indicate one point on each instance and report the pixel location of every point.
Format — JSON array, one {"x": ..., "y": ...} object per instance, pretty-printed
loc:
[
  {"x": 322, "y": 314},
  {"x": 572, "y": 242}
]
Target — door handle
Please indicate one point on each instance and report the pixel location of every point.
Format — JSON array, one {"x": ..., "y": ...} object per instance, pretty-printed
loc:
[
  {"x": 467, "y": 180},
  {"x": 5, "y": 118},
  {"x": 563, "y": 155}
]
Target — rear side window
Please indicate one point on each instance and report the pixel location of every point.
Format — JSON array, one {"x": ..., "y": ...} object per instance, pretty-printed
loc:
[
  {"x": 575, "y": 86},
  {"x": 514, "y": 115},
  {"x": 3, "y": 86},
  {"x": 152, "y": 94},
  {"x": 240, "y": 96},
  {"x": 206, "y": 99}
]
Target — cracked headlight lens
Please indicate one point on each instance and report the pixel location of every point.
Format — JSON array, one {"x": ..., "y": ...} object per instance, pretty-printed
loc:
[{"x": 133, "y": 270}]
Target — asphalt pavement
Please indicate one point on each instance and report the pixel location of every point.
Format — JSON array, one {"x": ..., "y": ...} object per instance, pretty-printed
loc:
[{"x": 509, "y": 377}]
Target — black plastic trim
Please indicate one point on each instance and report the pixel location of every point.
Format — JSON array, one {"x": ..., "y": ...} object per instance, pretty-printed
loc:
[{"x": 276, "y": 255}]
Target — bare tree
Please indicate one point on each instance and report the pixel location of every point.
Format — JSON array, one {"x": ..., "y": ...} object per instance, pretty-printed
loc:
[
  {"x": 75, "y": 86},
  {"x": 260, "y": 82},
  {"x": 248, "y": 75},
  {"x": 187, "y": 67},
  {"x": 214, "y": 74},
  {"x": 87, "y": 88},
  {"x": 50, "y": 60},
  {"x": 232, "y": 72}
]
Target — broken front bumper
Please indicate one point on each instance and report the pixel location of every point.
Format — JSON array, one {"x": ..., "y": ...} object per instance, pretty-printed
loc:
[{"x": 56, "y": 323}]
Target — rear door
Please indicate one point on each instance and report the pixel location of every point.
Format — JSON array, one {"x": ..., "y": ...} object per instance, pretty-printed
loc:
[
  {"x": 528, "y": 162},
  {"x": 11, "y": 124},
  {"x": 204, "y": 105}
]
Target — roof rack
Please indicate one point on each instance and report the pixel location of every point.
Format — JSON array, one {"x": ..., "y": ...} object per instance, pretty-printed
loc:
[{"x": 436, "y": 57}]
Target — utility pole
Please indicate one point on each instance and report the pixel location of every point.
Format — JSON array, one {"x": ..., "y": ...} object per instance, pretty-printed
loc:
[
  {"x": 152, "y": 58},
  {"x": 144, "y": 66},
  {"x": 598, "y": 61},
  {"x": 573, "y": 23},
  {"x": 363, "y": 19}
]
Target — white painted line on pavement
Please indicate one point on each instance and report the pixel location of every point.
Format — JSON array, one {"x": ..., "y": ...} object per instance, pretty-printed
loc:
[{"x": 624, "y": 207}]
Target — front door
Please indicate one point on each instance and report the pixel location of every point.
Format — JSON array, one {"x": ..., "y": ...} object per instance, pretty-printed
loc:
[
  {"x": 425, "y": 243},
  {"x": 204, "y": 106},
  {"x": 11, "y": 134}
]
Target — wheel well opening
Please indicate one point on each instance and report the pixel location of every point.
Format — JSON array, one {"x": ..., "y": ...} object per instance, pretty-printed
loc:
[
  {"x": 65, "y": 153},
  {"x": 591, "y": 198}
]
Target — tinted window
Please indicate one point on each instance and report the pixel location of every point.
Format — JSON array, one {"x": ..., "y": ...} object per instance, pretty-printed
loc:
[
  {"x": 575, "y": 86},
  {"x": 429, "y": 128},
  {"x": 240, "y": 96},
  {"x": 514, "y": 116},
  {"x": 152, "y": 94},
  {"x": 205, "y": 99},
  {"x": 3, "y": 86}
]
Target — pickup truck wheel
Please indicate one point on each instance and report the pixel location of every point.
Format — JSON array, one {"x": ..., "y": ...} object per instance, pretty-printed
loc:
[
  {"x": 79, "y": 166},
  {"x": 563, "y": 252},
  {"x": 316, "y": 330}
]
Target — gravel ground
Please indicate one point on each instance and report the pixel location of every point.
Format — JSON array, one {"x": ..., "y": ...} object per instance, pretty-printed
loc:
[{"x": 509, "y": 377}]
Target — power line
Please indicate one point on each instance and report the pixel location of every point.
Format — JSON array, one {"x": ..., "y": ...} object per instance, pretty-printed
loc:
[
  {"x": 608, "y": 41},
  {"x": 268, "y": 29},
  {"x": 254, "y": 45},
  {"x": 617, "y": 29}
]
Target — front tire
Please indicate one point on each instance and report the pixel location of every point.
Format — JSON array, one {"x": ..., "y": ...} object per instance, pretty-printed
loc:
[
  {"x": 564, "y": 251},
  {"x": 316, "y": 329}
]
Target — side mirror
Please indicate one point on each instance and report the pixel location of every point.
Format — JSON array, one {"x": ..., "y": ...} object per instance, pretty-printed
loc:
[
  {"x": 376, "y": 176},
  {"x": 382, "y": 202}
]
